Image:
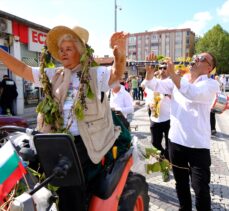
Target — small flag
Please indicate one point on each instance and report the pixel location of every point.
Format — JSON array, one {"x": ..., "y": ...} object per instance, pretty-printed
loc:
[{"x": 11, "y": 169}]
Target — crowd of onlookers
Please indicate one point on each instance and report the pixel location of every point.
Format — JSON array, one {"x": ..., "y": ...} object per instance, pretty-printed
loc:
[{"x": 133, "y": 85}]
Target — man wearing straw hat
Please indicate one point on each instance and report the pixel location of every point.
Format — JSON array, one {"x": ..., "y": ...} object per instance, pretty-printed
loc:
[{"x": 78, "y": 90}]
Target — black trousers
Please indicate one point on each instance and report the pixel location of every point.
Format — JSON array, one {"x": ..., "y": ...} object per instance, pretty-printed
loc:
[
  {"x": 212, "y": 120},
  {"x": 8, "y": 105},
  {"x": 140, "y": 93},
  {"x": 198, "y": 162},
  {"x": 158, "y": 131},
  {"x": 74, "y": 197}
]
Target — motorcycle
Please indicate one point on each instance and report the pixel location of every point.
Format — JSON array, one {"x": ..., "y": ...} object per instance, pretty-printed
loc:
[{"x": 117, "y": 188}]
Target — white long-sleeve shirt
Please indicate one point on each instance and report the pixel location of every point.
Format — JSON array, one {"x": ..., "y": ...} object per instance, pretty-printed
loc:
[
  {"x": 122, "y": 101},
  {"x": 190, "y": 109}
]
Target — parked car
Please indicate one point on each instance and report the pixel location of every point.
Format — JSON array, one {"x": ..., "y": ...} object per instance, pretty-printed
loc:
[{"x": 13, "y": 120}]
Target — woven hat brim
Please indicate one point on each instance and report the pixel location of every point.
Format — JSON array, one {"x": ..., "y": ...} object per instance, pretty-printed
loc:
[{"x": 53, "y": 37}]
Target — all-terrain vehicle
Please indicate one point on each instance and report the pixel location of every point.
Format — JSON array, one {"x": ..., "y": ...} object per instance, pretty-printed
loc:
[{"x": 115, "y": 188}]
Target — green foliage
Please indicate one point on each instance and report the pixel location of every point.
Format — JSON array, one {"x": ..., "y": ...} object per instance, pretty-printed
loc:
[
  {"x": 79, "y": 110},
  {"x": 90, "y": 94},
  {"x": 160, "y": 58},
  {"x": 216, "y": 41},
  {"x": 161, "y": 165},
  {"x": 49, "y": 107},
  {"x": 85, "y": 90}
]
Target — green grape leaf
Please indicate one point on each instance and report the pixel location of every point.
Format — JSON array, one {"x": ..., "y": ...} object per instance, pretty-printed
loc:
[
  {"x": 39, "y": 106},
  {"x": 155, "y": 167},
  {"x": 79, "y": 111},
  {"x": 152, "y": 151},
  {"x": 94, "y": 63},
  {"x": 52, "y": 188},
  {"x": 50, "y": 65},
  {"x": 46, "y": 108},
  {"x": 165, "y": 176},
  {"x": 90, "y": 94},
  {"x": 165, "y": 165}
]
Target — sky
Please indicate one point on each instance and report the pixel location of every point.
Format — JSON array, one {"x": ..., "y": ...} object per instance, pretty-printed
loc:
[{"x": 133, "y": 16}]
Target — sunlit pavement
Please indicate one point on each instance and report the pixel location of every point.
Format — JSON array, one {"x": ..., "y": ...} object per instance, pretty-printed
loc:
[{"x": 162, "y": 194}]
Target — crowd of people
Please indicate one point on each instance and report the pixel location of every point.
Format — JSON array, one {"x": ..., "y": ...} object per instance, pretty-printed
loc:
[
  {"x": 192, "y": 96},
  {"x": 179, "y": 108}
]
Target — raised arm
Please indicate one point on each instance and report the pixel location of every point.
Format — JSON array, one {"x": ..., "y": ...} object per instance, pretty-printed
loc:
[
  {"x": 150, "y": 69},
  {"x": 175, "y": 77},
  {"x": 118, "y": 44},
  {"x": 16, "y": 66}
]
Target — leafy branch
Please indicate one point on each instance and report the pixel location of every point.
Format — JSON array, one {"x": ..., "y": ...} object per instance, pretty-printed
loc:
[
  {"x": 48, "y": 106},
  {"x": 85, "y": 90},
  {"x": 161, "y": 165}
]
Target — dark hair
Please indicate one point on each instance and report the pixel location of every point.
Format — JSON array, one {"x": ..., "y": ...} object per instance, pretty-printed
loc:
[
  {"x": 214, "y": 62},
  {"x": 5, "y": 76}
]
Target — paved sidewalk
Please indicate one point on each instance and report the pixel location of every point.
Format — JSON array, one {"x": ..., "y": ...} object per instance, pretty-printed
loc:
[{"x": 163, "y": 195}]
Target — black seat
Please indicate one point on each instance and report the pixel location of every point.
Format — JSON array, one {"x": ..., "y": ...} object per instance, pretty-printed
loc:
[{"x": 50, "y": 149}]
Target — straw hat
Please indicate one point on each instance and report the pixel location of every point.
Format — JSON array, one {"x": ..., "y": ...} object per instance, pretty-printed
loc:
[{"x": 57, "y": 32}]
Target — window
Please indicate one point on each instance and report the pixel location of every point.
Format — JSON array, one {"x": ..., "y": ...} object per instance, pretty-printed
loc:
[{"x": 132, "y": 40}]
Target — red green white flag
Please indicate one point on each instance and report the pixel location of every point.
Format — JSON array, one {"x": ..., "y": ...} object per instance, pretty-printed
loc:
[{"x": 11, "y": 169}]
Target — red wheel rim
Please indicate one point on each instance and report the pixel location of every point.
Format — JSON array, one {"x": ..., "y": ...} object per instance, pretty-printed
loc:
[{"x": 139, "y": 204}]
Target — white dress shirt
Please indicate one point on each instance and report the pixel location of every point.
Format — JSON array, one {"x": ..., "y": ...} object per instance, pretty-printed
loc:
[
  {"x": 190, "y": 109},
  {"x": 122, "y": 101}
]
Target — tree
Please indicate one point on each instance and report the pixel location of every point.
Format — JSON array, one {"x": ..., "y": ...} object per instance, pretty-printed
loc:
[{"x": 216, "y": 41}]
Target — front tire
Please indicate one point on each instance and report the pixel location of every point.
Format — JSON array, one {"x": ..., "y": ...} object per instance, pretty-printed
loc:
[{"x": 135, "y": 194}]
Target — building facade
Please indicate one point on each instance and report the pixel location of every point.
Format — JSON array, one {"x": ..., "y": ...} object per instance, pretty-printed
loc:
[
  {"x": 24, "y": 40},
  {"x": 171, "y": 43}
]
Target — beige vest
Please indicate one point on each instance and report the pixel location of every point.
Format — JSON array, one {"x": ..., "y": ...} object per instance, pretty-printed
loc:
[{"x": 96, "y": 129}]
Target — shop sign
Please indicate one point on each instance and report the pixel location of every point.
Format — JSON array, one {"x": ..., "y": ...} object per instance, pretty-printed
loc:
[{"x": 36, "y": 40}]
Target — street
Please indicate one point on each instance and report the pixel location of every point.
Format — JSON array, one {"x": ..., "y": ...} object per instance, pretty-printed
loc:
[{"x": 163, "y": 194}]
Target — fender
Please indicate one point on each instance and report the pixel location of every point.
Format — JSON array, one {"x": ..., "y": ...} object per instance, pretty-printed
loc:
[{"x": 112, "y": 202}]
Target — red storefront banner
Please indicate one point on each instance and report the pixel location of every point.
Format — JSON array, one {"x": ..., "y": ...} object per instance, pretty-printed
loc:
[{"x": 21, "y": 31}]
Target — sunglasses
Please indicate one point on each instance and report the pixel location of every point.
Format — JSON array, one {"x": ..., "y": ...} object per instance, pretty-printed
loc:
[
  {"x": 198, "y": 58},
  {"x": 162, "y": 68}
]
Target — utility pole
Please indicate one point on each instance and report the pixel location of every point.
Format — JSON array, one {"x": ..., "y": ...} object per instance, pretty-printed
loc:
[{"x": 115, "y": 16}]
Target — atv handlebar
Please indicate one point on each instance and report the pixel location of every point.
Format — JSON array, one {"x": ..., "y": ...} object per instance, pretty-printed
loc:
[{"x": 13, "y": 128}]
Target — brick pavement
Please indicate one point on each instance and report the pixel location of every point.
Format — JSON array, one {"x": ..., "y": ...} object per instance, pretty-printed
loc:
[{"x": 163, "y": 195}]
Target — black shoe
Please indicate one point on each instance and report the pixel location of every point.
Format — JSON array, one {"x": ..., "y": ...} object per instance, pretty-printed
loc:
[{"x": 213, "y": 132}]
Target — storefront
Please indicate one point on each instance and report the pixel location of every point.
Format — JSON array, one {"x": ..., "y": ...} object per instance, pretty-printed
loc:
[{"x": 23, "y": 40}]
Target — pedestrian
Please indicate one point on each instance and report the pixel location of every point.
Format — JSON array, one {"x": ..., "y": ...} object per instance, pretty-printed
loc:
[
  {"x": 8, "y": 93},
  {"x": 159, "y": 105},
  {"x": 223, "y": 83},
  {"x": 134, "y": 86},
  {"x": 189, "y": 147},
  {"x": 77, "y": 111},
  {"x": 122, "y": 101},
  {"x": 212, "y": 113},
  {"x": 140, "y": 88},
  {"x": 148, "y": 98}
]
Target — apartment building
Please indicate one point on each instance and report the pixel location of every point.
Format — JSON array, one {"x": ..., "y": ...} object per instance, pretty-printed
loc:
[{"x": 173, "y": 43}]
